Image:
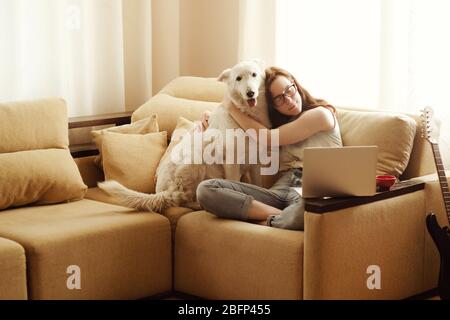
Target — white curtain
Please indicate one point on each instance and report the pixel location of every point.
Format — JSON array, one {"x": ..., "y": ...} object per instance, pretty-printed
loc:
[
  {"x": 80, "y": 50},
  {"x": 257, "y": 30},
  {"x": 388, "y": 54}
]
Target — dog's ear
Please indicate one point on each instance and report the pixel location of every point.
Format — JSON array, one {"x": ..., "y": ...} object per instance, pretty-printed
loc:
[{"x": 224, "y": 75}]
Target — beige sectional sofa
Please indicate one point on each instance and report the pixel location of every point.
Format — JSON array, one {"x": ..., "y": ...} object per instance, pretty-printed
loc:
[{"x": 126, "y": 254}]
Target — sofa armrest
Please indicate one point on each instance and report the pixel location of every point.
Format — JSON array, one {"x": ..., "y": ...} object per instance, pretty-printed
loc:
[{"x": 341, "y": 245}]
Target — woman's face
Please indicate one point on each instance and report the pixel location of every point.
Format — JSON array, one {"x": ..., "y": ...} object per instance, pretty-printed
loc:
[{"x": 286, "y": 97}]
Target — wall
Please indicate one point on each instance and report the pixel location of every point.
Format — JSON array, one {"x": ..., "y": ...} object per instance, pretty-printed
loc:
[
  {"x": 193, "y": 38},
  {"x": 208, "y": 36},
  {"x": 166, "y": 42}
]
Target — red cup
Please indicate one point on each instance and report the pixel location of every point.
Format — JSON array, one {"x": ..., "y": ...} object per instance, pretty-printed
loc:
[{"x": 385, "y": 182}]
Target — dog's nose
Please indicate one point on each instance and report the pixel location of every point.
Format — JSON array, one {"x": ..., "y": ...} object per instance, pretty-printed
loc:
[{"x": 250, "y": 94}]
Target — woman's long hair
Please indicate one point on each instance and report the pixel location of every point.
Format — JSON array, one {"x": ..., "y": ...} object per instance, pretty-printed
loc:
[{"x": 308, "y": 102}]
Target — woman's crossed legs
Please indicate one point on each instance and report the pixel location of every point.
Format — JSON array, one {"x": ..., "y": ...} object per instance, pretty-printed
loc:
[{"x": 279, "y": 206}]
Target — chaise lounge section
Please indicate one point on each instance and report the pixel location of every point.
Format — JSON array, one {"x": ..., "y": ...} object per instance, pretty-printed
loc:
[{"x": 121, "y": 253}]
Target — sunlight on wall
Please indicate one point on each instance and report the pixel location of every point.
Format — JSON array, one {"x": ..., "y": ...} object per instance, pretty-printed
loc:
[
  {"x": 333, "y": 51},
  {"x": 373, "y": 54}
]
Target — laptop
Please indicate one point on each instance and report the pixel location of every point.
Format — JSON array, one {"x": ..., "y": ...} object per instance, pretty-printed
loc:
[{"x": 339, "y": 171}]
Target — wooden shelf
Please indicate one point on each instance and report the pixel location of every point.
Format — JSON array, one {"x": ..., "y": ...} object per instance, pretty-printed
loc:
[
  {"x": 83, "y": 150},
  {"x": 118, "y": 119},
  {"x": 89, "y": 149}
]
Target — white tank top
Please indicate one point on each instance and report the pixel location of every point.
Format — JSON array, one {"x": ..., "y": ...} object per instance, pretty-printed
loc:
[{"x": 291, "y": 155}]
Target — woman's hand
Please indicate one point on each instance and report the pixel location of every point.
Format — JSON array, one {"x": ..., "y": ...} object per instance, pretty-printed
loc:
[
  {"x": 203, "y": 123},
  {"x": 205, "y": 119}
]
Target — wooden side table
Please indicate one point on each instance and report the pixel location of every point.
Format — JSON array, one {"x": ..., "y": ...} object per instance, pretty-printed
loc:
[{"x": 319, "y": 205}]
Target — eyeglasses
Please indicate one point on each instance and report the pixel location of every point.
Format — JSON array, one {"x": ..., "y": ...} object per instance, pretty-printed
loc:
[{"x": 280, "y": 99}]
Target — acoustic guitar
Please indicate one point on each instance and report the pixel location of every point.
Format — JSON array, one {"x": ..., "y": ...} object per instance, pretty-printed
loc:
[{"x": 440, "y": 235}]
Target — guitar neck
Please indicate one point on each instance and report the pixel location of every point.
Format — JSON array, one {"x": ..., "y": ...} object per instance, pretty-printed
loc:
[{"x": 442, "y": 178}]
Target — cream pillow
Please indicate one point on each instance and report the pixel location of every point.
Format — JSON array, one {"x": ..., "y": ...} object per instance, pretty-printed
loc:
[
  {"x": 33, "y": 124},
  {"x": 393, "y": 133},
  {"x": 144, "y": 126},
  {"x": 39, "y": 177},
  {"x": 132, "y": 159}
]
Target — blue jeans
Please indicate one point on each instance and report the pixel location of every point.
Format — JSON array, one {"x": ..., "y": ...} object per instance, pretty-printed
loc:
[{"x": 231, "y": 199}]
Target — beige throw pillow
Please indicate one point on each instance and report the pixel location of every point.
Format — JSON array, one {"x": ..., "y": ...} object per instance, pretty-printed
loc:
[
  {"x": 39, "y": 177},
  {"x": 144, "y": 126},
  {"x": 393, "y": 133},
  {"x": 34, "y": 124},
  {"x": 132, "y": 159}
]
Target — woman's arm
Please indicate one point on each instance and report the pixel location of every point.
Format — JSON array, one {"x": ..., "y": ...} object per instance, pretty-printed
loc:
[{"x": 311, "y": 122}]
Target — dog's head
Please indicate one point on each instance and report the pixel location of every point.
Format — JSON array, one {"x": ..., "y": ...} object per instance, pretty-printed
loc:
[{"x": 245, "y": 83}]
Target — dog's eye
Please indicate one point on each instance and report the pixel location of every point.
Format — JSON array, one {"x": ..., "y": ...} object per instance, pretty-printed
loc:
[
  {"x": 238, "y": 78},
  {"x": 254, "y": 75}
]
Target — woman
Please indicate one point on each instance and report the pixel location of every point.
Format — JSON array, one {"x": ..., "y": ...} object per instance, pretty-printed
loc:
[{"x": 302, "y": 121}]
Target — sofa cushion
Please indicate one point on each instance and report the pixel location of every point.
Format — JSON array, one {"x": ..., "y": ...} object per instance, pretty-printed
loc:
[
  {"x": 227, "y": 259},
  {"x": 132, "y": 159},
  {"x": 172, "y": 213},
  {"x": 31, "y": 125},
  {"x": 393, "y": 133},
  {"x": 39, "y": 177},
  {"x": 13, "y": 282},
  {"x": 121, "y": 253},
  {"x": 35, "y": 162},
  {"x": 144, "y": 126},
  {"x": 187, "y": 97}
]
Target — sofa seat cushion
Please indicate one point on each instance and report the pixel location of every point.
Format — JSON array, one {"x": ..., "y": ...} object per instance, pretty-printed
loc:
[
  {"x": 227, "y": 259},
  {"x": 122, "y": 254},
  {"x": 173, "y": 213},
  {"x": 13, "y": 282}
]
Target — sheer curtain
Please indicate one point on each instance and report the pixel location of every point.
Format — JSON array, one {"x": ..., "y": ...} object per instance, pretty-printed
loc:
[
  {"x": 74, "y": 49},
  {"x": 377, "y": 54},
  {"x": 257, "y": 30}
]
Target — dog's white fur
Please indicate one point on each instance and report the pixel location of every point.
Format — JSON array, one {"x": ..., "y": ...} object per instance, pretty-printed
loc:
[{"x": 176, "y": 184}]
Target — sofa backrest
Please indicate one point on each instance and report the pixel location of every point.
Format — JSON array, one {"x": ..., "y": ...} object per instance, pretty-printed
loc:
[
  {"x": 187, "y": 97},
  {"x": 190, "y": 96},
  {"x": 35, "y": 161}
]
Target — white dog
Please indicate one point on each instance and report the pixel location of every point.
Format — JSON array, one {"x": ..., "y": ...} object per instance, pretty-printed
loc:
[{"x": 177, "y": 183}]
